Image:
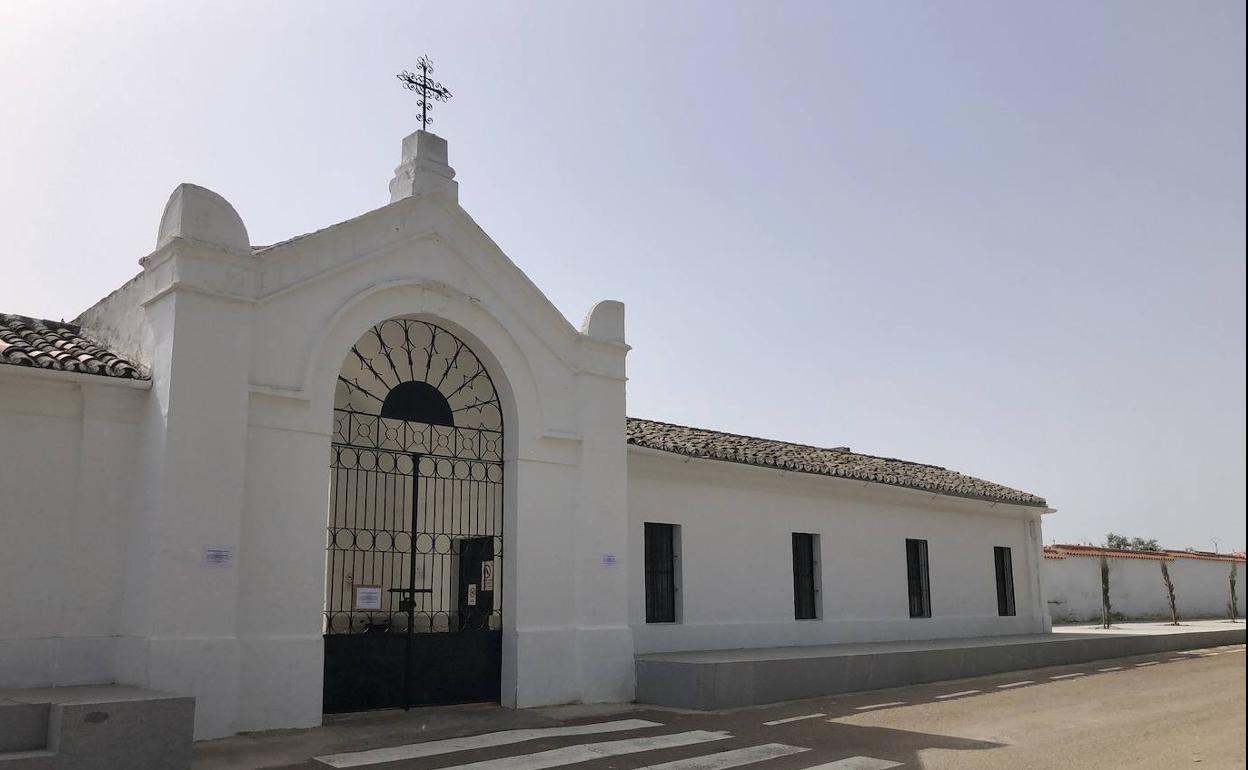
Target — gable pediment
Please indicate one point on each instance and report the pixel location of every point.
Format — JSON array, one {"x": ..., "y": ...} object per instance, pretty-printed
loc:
[{"x": 420, "y": 226}]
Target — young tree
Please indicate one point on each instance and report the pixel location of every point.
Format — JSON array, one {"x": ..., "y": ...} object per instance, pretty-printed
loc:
[
  {"x": 1124, "y": 543},
  {"x": 1105, "y": 608},
  {"x": 1174, "y": 609},
  {"x": 1234, "y": 605}
]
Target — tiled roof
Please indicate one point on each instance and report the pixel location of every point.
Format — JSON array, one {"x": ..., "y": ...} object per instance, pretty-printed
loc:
[
  {"x": 1063, "y": 550},
  {"x": 34, "y": 342},
  {"x": 839, "y": 462}
]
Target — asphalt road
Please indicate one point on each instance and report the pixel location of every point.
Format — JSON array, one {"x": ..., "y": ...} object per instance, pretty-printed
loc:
[{"x": 1163, "y": 711}]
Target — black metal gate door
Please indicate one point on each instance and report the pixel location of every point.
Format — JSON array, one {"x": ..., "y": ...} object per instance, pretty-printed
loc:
[{"x": 413, "y": 612}]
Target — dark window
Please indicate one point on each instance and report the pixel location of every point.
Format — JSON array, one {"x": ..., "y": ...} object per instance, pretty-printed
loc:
[
  {"x": 804, "y": 606},
  {"x": 916, "y": 576},
  {"x": 1005, "y": 580},
  {"x": 660, "y": 573}
]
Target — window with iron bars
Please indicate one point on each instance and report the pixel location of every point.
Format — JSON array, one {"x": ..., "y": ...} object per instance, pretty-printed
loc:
[{"x": 917, "y": 579}]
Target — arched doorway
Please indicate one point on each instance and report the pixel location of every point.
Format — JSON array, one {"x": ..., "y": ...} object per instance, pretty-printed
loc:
[{"x": 414, "y": 547}]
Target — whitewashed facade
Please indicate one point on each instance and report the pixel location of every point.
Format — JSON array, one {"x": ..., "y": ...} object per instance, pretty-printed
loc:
[
  {"x": 1137, "y": 590},
  {"x": 164, "y": 524}
]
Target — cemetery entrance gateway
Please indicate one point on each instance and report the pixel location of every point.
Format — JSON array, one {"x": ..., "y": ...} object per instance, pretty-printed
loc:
[{"x": 414, "y": 547}]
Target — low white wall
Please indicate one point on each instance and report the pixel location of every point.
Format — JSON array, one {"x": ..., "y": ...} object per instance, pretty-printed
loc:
[
  {"x": 1136, "y": 590},
  {"x": 736, "y": 563},
  {"x": 66, "y": 451}
]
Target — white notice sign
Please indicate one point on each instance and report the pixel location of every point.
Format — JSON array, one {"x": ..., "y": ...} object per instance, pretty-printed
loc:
[
  {"x": 368, "y": 597},
  {"x": 472, "y": 594},
  {"x": 218, "y": 556},
  {"x": 487, "y": 576}
]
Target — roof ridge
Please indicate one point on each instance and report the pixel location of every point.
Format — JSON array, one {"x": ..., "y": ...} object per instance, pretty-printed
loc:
[
  {"x": 745, "y": 436},
  {"x": 798, "y": 444}
]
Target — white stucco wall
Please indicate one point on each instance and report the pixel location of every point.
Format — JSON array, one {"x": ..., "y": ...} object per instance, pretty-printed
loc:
[
  {"x": 67, "y": 447},
  {"x": 1136, "y": 590},
  {"x": 736, "y": 557},
  {"x": 111, "y": 492},
  {"x": 230, "y": 449}
]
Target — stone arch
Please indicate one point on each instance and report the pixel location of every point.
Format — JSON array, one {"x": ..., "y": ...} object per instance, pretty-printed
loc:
[{"x": 499, "y": 352}]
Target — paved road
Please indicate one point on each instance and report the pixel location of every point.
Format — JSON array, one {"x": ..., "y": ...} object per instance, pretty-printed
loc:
[{"x": 1170, "y": 710}]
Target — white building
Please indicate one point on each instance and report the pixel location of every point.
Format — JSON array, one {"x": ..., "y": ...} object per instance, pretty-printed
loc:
[{"x": 497, "y": 528}]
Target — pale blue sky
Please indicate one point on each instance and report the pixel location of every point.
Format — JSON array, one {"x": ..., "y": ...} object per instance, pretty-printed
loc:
[{"x": 1006, "y": 238}]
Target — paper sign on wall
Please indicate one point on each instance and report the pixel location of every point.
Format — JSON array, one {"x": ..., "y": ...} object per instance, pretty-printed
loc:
[
  {"x": 487, "y": 576},
  {"x": 472, "y": 594},
  {"x": 368, "y": 597},
  {"x": 218, "y": 556}
]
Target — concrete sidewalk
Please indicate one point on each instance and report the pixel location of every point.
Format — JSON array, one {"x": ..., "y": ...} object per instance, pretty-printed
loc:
[
  {"x": 1150, "y": 711},
  {"x": 720, "y": 679}
]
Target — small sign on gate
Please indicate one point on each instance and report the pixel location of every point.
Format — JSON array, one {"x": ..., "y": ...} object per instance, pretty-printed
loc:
[
  {"x": 487, "y": 575},
  {"x": 472, "y": 594},
  {"x": 368, "y": 597}
]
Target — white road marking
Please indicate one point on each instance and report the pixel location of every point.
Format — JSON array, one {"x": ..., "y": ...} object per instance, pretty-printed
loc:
[
  {"x": 726, "y": 759},
  {"x": 1014, "y": 684},
  {"x": 1149, "y": 663},
  {"x": 470, "y": 742},
  {"x": 786, "y": 720},
  {"x": 1067, "y": 676},
  {"x": 857, "y": 763},
  {"x": 880, "y": 705},
  {"x": 1111, "y": 668},
  {"x": 587, "y": 752},
  {"x": 957, "y": 694}
]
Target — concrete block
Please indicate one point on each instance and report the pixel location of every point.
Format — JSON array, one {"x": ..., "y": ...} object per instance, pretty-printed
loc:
[
  {"x": 150, "y": 734},
  {"x": 23, "y": 726}
]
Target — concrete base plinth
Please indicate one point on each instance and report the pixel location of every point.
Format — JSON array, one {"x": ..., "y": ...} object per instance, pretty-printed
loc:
[
  {"x": 721, "y": 679},
  {"x": 97, "y": 727}
]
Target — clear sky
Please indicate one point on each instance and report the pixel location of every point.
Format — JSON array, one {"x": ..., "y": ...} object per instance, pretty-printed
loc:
[{"x": 1005, "y": 238}]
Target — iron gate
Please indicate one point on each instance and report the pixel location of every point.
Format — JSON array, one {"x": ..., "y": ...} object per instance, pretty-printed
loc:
[{"x": 413, "y": 601}]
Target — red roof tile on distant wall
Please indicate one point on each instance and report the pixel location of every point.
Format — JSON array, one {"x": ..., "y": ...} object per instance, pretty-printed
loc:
[{"x": 1061, "y": 551}]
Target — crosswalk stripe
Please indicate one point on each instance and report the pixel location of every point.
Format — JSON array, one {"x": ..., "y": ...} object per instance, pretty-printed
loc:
[
  {"x": 957, "y": 694},
  {"x": 857, "y": 763},
  {"x": 727, "y": 759},
  {"x": 1014, "y": 684},
  {"x": 1067, "y": 676},
  {"x": 1111, "y": 668},
  {"x": 586, "y": 752},
  {"x": 467, "y": 743},
  {"x": 786, "y": 720}
]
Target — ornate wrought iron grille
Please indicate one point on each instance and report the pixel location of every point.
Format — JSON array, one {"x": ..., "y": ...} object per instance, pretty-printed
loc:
[
  {"x": 414, "y": 543},
  {"x": 428, "y": 89}
]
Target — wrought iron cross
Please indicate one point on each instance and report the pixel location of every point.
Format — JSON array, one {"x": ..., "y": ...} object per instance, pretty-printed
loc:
[{"x": 427, "y": 88}]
